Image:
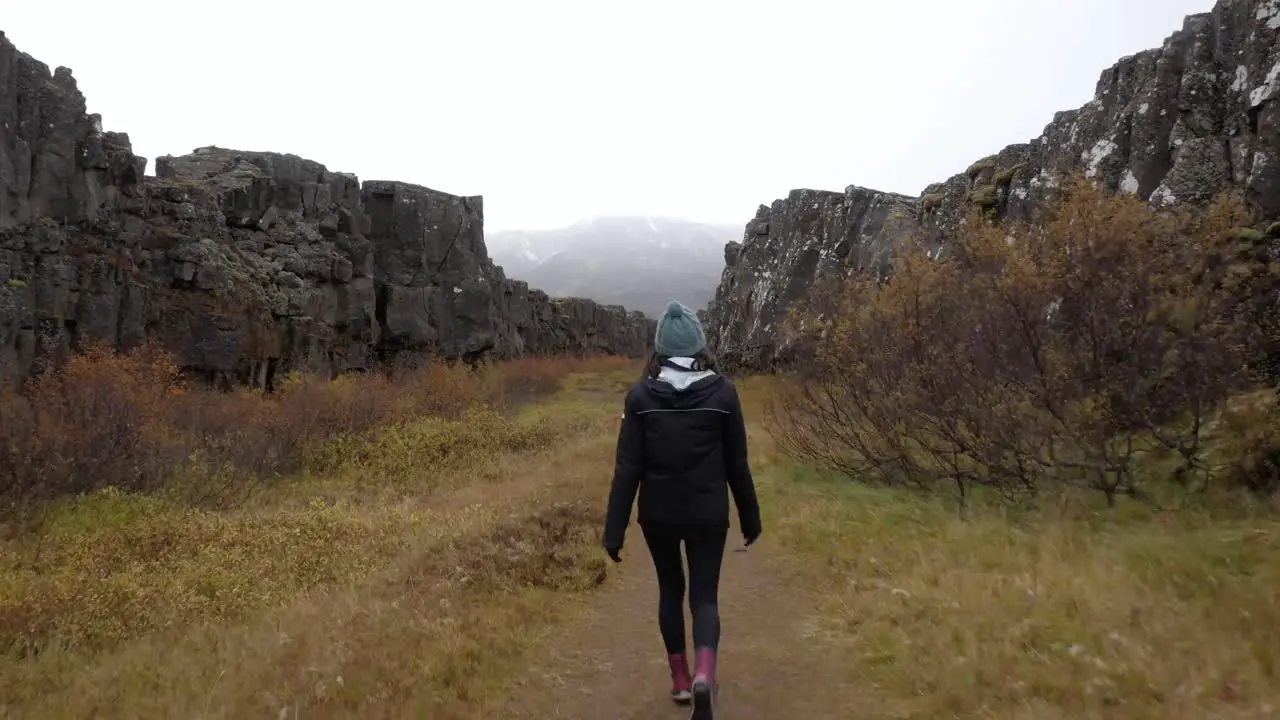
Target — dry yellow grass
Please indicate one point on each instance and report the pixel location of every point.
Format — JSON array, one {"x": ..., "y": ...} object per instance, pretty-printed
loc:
[
  {"x": 1072, "y": 611},
  {"x": 407, "y": 575},
  {"x": 400, "y": 574}
]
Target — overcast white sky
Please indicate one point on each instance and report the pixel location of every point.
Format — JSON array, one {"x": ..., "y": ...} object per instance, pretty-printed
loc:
[{"x": 556, "y": 110}]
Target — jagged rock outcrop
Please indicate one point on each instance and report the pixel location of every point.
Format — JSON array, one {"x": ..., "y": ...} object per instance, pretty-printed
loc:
[
  {"x": 786, "y": 249},
  {"x": 246, "y": 263},
  {"x": 1175, "y": 124}
]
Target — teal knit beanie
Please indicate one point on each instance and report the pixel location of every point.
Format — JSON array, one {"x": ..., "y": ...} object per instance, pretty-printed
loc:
[{"x": 679, "y": 332}]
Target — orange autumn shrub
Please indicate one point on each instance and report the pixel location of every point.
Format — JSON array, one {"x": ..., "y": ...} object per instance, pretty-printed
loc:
[
  {"x": 127, "y": 420},
  {"x": 101, "y": 419},
  {"x": 1061, "y": 354}
]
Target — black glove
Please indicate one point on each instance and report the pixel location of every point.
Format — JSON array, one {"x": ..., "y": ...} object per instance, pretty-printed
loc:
[
  {"x": 751, "y": 538},
  {"x": 613, "y": 553}
]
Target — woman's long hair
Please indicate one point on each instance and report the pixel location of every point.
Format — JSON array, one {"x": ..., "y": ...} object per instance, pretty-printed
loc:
[{"x": 702, "y": 360}]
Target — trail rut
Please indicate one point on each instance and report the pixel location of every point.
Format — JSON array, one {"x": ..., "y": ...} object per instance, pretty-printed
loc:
[{"x": 610, "y": 663}]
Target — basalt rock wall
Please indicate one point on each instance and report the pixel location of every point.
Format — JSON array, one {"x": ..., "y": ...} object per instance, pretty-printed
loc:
[
  {"x": 245, "y": 264},
  {"x": 1175, "y": 124}
]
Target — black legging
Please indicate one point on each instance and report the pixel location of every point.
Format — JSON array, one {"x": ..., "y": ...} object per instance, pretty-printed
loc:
[{"x": 705, "y": 549}]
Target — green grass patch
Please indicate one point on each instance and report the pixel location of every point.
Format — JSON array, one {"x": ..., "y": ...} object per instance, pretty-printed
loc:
[{"x": 996, "y": 610}]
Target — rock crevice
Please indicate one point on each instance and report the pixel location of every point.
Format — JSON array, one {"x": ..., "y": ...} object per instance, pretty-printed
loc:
[
  {"x": 1174, "y": 124},
  {"x": 246, "y": 264}
]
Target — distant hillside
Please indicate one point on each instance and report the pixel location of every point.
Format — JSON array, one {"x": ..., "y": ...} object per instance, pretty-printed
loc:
[{"x": 639, "y": 262}]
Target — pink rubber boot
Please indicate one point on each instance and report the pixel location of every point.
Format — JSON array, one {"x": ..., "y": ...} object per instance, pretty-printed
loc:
[
  {"x": 681, "y": 684},
  {"x": 704, "y": 685}
]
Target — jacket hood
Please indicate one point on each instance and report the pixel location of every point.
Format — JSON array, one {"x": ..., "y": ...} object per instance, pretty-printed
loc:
[
  {"x": 684, "y": 387},
  {"x": 683, "y": 375}
]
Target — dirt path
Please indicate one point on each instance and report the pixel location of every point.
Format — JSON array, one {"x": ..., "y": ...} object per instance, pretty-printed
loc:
[
  {"x": 406, "y": 642},
  {"x": 610, "y": 665}
]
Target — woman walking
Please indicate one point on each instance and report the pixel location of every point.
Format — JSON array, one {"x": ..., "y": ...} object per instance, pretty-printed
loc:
[{"x": 683, "y": 447}]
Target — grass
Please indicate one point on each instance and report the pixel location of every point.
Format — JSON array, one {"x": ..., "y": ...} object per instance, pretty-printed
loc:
[
  {"x": 1067, "y": 611},
  {"x": 1005, "y": 177},
  {"x": 131, "y": 421},
  {"x": 986, "y": 196},
  {"x": 408, "y": 572},
  {"x": 449, "y": 541},
  {"x": 979, "y": 166}
]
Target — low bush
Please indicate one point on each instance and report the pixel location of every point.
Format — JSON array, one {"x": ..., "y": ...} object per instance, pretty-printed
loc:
[
  {"x": 1063, "y": 354},
  {"x": 128, "y": 421}
]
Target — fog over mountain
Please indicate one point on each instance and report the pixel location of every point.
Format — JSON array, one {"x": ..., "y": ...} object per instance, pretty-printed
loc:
[{"x": 636, "y": 261}]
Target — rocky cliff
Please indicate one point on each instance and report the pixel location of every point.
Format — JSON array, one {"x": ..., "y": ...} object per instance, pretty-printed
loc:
[
  {"x": 246, "y": 263},
  {"x": 1174, "y": 124}
]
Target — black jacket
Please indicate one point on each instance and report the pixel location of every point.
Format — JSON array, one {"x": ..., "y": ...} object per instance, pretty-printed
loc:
[{"x": 684, "y": 450}]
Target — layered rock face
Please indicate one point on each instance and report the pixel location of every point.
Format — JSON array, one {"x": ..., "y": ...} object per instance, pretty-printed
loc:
[
  {"x": 1174, "y": 124},
  {"x": 246, "y": 264}
]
